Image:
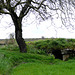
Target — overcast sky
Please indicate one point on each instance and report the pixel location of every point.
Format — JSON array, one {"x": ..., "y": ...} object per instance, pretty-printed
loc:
[{"x": 31, "y": 29}]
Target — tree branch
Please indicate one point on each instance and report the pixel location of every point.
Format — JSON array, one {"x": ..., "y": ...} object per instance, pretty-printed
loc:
[
  {"x": 25, "y": 8},
  {"x": 3, "y": 12}
]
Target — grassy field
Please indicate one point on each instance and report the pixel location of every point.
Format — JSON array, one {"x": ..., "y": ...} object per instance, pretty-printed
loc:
[
  {"x": 11, "y": 59},
  {"x": 44, "y": 69},
  {"x": 34, "y": 62}
]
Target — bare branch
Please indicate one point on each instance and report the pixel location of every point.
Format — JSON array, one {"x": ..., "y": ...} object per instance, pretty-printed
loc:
[{"x": 26, "y": 8}]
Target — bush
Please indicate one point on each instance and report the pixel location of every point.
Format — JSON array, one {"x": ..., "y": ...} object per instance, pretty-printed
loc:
[
  {"x": 55, "y": 44},
  {"x": 32, "y": 49},
  {"x": 71, "y": 40}
]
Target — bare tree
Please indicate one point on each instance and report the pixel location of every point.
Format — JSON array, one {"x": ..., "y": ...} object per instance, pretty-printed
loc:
[
  {"x": 11, "y": 36},
  {"x": 45, "y": 9}
]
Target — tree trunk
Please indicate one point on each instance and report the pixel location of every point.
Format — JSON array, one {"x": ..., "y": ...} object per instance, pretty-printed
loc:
[
  {"x": 18, "y": 33},
  {"x": 20, "y": 41}
]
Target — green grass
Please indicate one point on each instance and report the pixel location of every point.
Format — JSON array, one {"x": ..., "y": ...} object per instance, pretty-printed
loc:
[
  {"x": 10, "y": 59},
  {"x": 44, "y": 69},
  {"x": 35, "y": 62}
]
